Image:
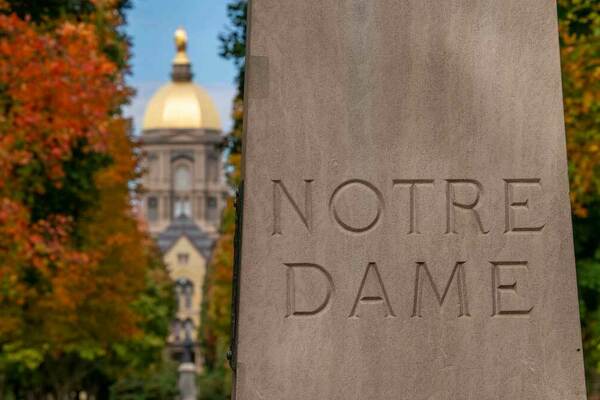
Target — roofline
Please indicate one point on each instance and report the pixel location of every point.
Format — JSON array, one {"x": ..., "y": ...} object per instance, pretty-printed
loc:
[{"x": 209, "y": 250}]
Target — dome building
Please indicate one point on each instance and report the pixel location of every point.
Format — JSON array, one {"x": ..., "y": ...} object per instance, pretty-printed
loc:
[{"x": 183, "y": 189}]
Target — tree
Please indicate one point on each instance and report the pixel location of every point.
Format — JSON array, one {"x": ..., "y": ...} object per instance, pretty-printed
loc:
[
  {"x": 215, "y": 328},
  {"x": 580, "y": 51},
  {"x": 107, "y": 16},
  {"x": 84, "y": 297}
]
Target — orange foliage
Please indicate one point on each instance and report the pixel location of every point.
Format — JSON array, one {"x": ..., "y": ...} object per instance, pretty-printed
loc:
[
  {"x": 581, "y": 83},
  {"x": 65, "y": 280},
  {"x": 57, "y": 89}
]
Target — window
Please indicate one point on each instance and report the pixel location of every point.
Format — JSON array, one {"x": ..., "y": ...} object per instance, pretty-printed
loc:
[
  {"x": 212, "y": 202},
  {"x": 183, "y": 178},
  {"x": 182, "y": 207},
  {"x": 176, "y": 331},
  {"x": 183, "y": 258},
  {"x": 212, "y": 167},
  {"x": 188, "y": 328},
  {"x": 152, "y": 209},
  {"x": 188, "y": 294},
  {"x": 153, "y": 167},
  {"x": 184, "y": 292},
  {"x": 178, "y": 295},
  {"x": 211, "y": 208}
]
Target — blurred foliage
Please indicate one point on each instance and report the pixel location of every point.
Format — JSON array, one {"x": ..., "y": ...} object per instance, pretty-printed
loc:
[
  {"x": 580, "y": 52},
  {"x": 85, "y": 300},
  {"x": 578, "y": 17},
  {"x": 215, "y": 329},
  {"x": 158, "y": 384},
  {"x": 107, "y": 16},
  {"x": 233, "y": 47}
]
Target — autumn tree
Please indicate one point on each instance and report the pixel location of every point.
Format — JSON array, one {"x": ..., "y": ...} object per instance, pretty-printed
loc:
[
  {"x": 215, "y": 328},
  {"x": 84, "y": 298},
  {"x": 580, "y": 51}
]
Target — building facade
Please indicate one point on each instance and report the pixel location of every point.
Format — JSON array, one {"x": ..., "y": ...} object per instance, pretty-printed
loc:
[{"x": 183, "y": 189}]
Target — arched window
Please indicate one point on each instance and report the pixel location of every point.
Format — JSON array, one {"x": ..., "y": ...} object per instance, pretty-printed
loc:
[
  {"x": 212, "y": 167},
  {"x": 188, "y": 328},
  {"x": 183, "y": 258},
  {"x": 184, "y": 290},
  {"x": 152, "y": 209},
  {"x": 179, "y": 285},
  {"x": 153, "y": 167},
  {"x": 188, "y": 294},
  {"x": 176, "y": 330},
  {"x": 182, "y": 207},
  {"x": 183, "y": 178},
  {"x": 211, "y": 209}
]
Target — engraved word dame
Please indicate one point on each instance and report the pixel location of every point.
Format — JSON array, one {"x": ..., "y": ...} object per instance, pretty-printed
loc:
[{"x": 508, "y": 281}]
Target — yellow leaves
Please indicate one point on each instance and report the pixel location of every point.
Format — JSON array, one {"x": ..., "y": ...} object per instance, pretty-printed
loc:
[
  {"x": 235, "y": 174},
  {"x": 238, "y": 109},
  {"x": 587, "y": 101},
  {"x": 38, "y": 250},
  {"x": 117, "y": 240},
  {"x": 581, "y": 85},
  {"x": 77, "y": 275}
]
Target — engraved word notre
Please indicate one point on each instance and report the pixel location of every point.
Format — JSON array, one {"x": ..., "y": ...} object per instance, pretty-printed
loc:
[{"x": 357, "y": 206}]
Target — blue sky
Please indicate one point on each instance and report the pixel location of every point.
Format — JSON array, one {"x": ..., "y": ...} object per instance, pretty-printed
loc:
[{"x": 151, "y": 24}]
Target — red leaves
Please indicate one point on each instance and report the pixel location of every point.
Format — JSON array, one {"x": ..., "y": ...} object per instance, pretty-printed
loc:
[
  {"x": 57, "y": 88},
  {"x": 581, "y": 85},
  {"x": 61, "y": 282}
]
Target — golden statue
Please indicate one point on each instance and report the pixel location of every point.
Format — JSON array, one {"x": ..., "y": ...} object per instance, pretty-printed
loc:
[{"x": 181, "y": 45}]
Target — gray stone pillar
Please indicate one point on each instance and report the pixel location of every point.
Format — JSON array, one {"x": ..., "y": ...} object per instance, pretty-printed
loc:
[
  {"x": 187, "y": 381},
  {"x": 406, "y": 224}
]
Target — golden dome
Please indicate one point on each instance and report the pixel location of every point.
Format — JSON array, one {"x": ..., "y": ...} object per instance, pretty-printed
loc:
[{"x": 181, "y": 104}]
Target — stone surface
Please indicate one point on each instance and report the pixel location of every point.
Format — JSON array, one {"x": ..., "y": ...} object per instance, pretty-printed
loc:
[
  {"x": 407, "y": 228},
  {"x": 187, "y": 381}
]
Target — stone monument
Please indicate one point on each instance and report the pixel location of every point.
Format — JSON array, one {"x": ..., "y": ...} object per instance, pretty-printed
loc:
[{"x": 406, "y": 224}]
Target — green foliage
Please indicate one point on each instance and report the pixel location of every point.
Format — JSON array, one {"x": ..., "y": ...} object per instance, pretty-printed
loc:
[
  {"x": 216, "y": 309},
  {"x": 51, "y": 9},
  {"x": 233, "y": 41},
  {"x": 85, "y": 301},
  {"x": 580, "y": 50},
  {"x": 134, "y": 369},
  {"x": 580, "y": 16},
  {"x": 215, "y": 383},
  {"x": 233, "y": 47},
  {"x": 587, "y": 251},
  {"x": 153, "y": 385},
  {"x": 141, "y": 358},
  {"x": 77, "y": 191}
]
